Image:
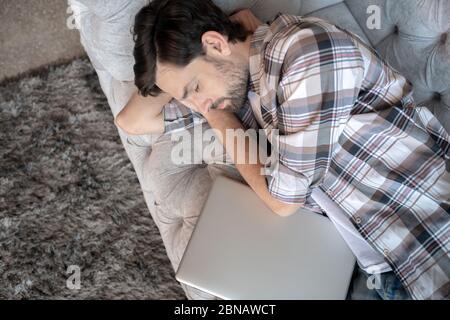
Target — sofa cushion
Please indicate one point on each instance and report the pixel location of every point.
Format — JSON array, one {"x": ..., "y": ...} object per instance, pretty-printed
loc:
[
  {"x": 310, "y": 6},
  {"x": 336, "y": 12},
  {"x": 106, "y": 33},
  {"x": 414, "y": 38}
]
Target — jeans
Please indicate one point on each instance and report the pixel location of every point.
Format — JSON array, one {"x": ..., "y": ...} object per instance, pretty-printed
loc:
[{"x": 365, "y": 286}]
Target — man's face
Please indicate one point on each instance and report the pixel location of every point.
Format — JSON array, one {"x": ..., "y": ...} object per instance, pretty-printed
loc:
[{"x": 206, "y": 83}]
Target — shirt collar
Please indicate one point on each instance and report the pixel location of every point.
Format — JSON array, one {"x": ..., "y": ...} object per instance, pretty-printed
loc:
[
  {"x": 255, "y": 66},
  {"x": 259, "y": 39}
]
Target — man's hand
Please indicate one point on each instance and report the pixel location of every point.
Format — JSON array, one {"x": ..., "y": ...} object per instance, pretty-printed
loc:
[{"x": 246, "y": 19}]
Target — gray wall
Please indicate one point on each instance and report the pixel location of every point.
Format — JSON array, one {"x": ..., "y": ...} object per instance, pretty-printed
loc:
[{"x": 35, "y": 33}]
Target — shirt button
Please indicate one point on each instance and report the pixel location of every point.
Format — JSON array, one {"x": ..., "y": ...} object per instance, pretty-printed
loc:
[
  {"x": 357, "y": 219},
  {"x": 386, "y": 251}
]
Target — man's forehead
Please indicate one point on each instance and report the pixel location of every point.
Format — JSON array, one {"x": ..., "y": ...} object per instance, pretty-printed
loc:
[
  {"x": 165, "y": 71},
  {"x": 163, "y": 68},
  {"x": 171, "y": 79}
]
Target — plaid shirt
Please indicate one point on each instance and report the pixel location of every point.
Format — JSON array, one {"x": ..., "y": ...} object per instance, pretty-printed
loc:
[{"x": 348, "y": 124}]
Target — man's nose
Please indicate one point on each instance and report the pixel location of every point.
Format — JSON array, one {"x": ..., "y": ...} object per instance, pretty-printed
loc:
[{"x": 202, "y": 104}]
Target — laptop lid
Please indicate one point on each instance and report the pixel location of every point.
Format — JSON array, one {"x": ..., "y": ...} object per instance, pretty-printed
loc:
[{"x": 239, "y": 249}]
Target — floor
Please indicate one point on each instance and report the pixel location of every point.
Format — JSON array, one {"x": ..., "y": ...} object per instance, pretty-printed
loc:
[
  {"x": 35, "y": 33},
  {"x": 73, "y": 221}
]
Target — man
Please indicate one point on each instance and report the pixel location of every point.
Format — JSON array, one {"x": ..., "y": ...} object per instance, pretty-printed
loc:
[{"x": 347, "y": 124}]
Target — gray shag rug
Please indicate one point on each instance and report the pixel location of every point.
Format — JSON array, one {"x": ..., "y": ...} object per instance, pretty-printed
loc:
[{"x": 69, "y": 196}]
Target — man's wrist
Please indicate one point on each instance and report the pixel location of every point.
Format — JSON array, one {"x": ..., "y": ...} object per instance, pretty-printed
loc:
[{"x": 217, "y": 118}]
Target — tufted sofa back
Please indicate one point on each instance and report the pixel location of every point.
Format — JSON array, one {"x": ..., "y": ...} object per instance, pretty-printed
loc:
[{"x": 412, "y": 36}]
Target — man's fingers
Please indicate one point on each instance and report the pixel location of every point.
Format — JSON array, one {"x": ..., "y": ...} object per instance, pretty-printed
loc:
[{"x": 247, "y": 19}]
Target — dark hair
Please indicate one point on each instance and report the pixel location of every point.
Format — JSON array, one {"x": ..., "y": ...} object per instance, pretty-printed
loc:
[{"x": 170, "y": 31}]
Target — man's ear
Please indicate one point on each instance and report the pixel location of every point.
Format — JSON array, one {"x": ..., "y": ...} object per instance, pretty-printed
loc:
[{"x": 216, "y": 44}]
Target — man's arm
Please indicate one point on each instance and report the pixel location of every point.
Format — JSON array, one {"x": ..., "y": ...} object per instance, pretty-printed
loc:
[
  {"x": 143, "y": 115},
  {"x": 221, "y": 120}
]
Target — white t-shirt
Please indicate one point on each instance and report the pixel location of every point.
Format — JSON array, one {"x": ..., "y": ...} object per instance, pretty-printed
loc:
[{"x": 368, "y": 258}]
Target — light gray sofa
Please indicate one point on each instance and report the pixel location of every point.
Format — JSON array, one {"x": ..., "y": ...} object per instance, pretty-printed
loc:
[{"x": 413, "y": 37}]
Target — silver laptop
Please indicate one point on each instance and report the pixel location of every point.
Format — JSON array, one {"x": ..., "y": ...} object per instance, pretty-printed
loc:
[{"x": 239, "y": 249}]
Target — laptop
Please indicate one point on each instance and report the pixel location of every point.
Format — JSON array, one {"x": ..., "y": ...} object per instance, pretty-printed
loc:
[{"x": 239, "y": 249}]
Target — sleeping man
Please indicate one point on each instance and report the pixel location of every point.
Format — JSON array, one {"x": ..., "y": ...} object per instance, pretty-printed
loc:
[{"x": 345, "y": 121}]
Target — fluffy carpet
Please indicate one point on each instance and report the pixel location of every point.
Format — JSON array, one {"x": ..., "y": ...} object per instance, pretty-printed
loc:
[{"x": 69, "y": 196}]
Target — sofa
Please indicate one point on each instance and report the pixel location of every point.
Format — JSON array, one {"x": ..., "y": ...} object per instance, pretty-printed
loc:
[{"x": 411, "y": 35}]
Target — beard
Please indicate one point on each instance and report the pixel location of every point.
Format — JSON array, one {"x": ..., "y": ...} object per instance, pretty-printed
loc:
[{"x": 237, "y": 78}]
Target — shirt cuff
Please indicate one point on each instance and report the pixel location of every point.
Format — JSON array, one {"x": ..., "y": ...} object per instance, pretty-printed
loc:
[{"x": 179, "y": 117}]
